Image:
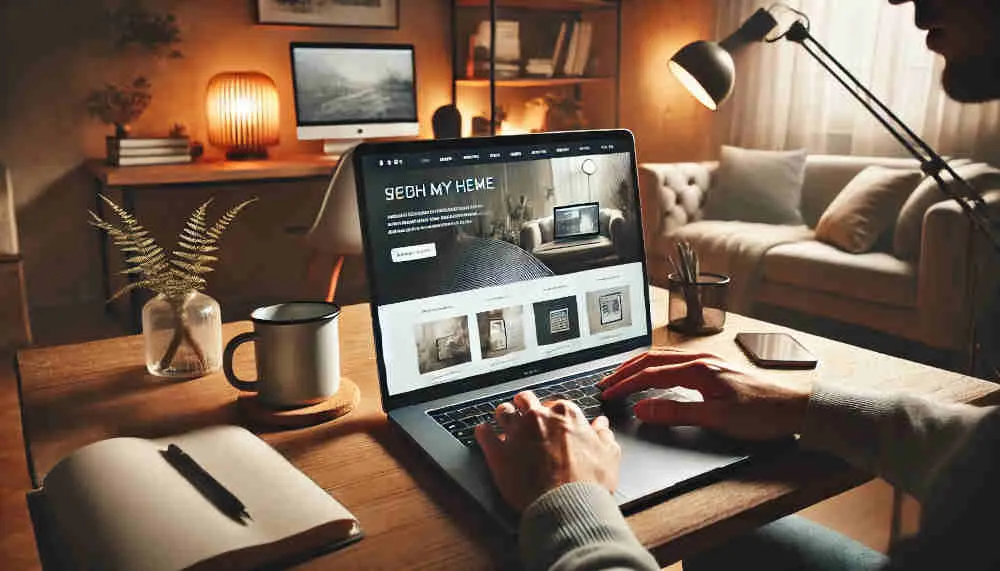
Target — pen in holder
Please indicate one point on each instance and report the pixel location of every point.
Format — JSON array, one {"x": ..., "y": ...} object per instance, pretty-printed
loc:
[{"x": 698, "y": 300}]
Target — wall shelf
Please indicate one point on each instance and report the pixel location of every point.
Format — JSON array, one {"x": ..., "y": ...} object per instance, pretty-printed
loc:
[
  {"x": 562, "y": 5},
  {"x": 579, "y": 39},
  {"x": 533, "y": 81}
]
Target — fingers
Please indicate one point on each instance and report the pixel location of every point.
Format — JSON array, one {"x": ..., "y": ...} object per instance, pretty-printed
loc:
[
  {"x": 689, "y": 374},
  {"x": 603, "y": 429},
  {"x": 492, "y": 447},
  {"x": 673, "y": 413},
  {"x": 504, "y": 414},
  {"x": 525, "y": 401},
  {"x": 656, "y": 357}
]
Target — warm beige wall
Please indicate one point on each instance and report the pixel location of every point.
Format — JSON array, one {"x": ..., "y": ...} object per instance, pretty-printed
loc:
[
  {"x": 51, "y": 59},
  {"x": 669, "y": 124}
]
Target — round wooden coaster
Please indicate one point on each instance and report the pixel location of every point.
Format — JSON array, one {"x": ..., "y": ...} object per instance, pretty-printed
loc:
[{"x": 343, "y": 402}]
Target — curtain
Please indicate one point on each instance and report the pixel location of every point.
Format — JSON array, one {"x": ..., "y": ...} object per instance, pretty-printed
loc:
[{"x": 784, "y": 99}]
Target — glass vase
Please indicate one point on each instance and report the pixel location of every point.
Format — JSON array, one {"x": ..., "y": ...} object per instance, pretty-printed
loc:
[{"x": 183, "y": 335}]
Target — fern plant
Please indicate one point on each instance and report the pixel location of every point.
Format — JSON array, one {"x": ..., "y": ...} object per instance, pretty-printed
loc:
[{"x": 173, "y": 276}]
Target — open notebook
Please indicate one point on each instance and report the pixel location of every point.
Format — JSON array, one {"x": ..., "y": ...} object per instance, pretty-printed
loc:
[{"x": 119, "y": 504}]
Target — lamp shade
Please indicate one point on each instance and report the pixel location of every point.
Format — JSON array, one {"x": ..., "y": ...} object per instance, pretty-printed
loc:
[
  {"x": 243, "y": 113},
  {"x": 705, "y": 69}
]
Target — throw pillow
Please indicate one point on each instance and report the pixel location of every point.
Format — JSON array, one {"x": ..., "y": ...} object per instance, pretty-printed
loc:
[
  {"x": 866, "y": 208},
  {"x": 909, "y": 225},
  {"x": 757, "y": 186}
]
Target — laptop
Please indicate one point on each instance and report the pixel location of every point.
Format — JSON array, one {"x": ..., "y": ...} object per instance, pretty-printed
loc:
[
  {"x": 464, "y": 318},
  {"x": 576, "y": 224}
]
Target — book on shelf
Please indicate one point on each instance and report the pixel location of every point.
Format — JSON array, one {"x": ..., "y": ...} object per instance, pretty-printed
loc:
[
  {"x": 508, "y": 42},
  {"x": 122, "y": 504},
  {"x": 539, "y": 67},
  {"x": 149, "y": 142},
  {"x": 579, "y": 49},
  {"x": 123, "y": 161},
  {"x": 148, "y": 151},
  {"x": 559, "y": 52}
]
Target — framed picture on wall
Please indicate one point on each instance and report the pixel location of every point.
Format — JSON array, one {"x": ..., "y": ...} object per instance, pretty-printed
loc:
[{"x": 355, "y": 13}]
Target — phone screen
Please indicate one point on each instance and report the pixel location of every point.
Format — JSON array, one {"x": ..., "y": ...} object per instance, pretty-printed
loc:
[{"x": 775, "y": 350}]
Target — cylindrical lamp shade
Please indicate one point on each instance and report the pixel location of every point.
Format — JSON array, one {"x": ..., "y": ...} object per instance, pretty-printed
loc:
[{"x": 243, "y": 113}]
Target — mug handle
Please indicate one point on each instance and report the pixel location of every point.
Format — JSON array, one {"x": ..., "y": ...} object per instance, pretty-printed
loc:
[{"x": 227, "y": 362}]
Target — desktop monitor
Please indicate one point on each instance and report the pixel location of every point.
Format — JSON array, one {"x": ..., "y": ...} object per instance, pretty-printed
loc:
[{"x": 348, "y": 92}]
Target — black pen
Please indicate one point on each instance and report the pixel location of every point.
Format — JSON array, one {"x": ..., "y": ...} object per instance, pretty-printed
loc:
[{"x": 209, "y": 487}]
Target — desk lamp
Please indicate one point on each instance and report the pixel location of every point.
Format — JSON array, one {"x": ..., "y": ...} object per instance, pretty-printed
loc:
[
  {"x": 242, "y": 111},
  {"x": 707, "y": 70}
]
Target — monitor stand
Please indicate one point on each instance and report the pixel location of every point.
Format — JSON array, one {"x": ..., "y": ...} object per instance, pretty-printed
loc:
[{"x": 338, "y": 147}]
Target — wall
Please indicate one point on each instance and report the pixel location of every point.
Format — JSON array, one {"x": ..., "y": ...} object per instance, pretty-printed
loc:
[
  {"x": 54, "y": 54},
  {"x": 669, "y": 124}
]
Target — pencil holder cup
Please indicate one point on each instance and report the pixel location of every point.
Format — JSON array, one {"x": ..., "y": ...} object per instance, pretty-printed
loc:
[{"x": 697, "y": 308}]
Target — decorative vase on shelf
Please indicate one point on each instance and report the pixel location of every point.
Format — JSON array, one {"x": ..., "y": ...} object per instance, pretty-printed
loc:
[{"x": 182, "y": 335}]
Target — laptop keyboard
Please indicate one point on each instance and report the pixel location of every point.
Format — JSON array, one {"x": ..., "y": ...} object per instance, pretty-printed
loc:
[{"x": 461, "y": 419}]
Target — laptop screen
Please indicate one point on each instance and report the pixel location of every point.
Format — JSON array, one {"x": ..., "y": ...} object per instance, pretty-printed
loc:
[
  {"x": 466, "y": 291},
  {"x": 576, "y": 221}
]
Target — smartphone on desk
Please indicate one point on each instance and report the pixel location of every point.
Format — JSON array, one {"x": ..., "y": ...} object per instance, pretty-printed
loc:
[{"x": 775, "y": 351}]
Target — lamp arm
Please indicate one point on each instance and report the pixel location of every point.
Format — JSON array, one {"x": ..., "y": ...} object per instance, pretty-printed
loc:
[{"x": 971, "y": 201}]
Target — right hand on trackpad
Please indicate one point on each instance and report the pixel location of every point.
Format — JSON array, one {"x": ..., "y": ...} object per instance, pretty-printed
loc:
[{"x": 733, "y": 400}]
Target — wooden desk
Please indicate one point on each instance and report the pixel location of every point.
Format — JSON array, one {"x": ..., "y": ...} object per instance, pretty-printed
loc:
[
  {"x": 122, "y": 183},
  {"x": 77, "y": 394}
]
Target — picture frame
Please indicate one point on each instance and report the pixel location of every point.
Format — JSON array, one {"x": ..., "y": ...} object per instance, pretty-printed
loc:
[
  {"x": 498, "y": 335},
  {"x": 610, "y": 306},
  {"x": 559, "y": 320},
  {"x": 344, "y": 13}
]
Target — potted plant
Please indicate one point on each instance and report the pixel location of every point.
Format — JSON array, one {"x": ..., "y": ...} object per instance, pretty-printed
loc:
[
  {"x": 181, "y": 327},
  {"x": 120, "y": 105}
]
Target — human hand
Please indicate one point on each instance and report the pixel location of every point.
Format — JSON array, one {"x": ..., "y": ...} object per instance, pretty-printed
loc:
[
  {"x": 736, "y": 402},
  {"x": 546, "y": 446}
]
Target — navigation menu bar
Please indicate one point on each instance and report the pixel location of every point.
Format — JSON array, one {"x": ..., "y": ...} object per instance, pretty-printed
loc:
[{"x": 492, "y": 155}]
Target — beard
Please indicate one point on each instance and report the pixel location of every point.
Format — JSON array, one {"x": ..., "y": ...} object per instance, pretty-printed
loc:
[{"x": 972, "y": 80}]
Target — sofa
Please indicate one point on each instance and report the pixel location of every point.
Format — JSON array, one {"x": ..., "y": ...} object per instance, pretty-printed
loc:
[
  {"x": 928, "y": 300},
  {"x": 537, "y": 237}
]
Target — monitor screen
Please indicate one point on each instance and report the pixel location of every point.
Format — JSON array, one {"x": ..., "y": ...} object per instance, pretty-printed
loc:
[
  {"x": 467, "y": 287},
  {"x": 340, "y": 89}
]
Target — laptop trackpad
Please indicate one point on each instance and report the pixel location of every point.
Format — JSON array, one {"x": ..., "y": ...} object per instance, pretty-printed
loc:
[{"x": 655, "y": 458}]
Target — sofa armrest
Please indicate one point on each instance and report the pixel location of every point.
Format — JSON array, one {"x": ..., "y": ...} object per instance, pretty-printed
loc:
[
  {"x": 671, "y": 195},
  {"x": 531, "y": 236},
  {"x": 943, "y": 290}
]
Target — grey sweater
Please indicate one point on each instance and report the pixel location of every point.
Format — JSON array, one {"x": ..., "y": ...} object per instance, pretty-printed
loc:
[{"x": 947, "y": 456}]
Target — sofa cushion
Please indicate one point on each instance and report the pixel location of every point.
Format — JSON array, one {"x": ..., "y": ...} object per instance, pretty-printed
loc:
[
  {"x": 866, "y": 208},
  {"x": 757, "y": 186},
  {"x": 909, "y": 224},
  {"x": 874, "y": 276}
]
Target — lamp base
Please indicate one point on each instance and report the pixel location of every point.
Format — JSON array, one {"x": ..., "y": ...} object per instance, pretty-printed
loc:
[{"x": 246, "y": 154}]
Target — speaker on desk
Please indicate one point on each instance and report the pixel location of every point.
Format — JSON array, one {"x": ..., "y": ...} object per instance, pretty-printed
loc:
[{"x": 447, "y": 122}]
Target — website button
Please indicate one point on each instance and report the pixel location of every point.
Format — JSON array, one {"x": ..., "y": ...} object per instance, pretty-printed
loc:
[{"x": 411, "y": 253}]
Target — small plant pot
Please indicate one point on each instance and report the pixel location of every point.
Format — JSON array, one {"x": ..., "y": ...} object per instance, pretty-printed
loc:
[{"x": 699, "y": 308}]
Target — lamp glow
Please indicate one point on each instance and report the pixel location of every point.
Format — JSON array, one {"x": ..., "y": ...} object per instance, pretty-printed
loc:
[
  {"x": 693, "y": 86},
  {"x": 243, "y": 113}
]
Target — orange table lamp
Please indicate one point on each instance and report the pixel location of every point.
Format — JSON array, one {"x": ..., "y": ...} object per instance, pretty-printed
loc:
[{"x": 242, "y": 111}]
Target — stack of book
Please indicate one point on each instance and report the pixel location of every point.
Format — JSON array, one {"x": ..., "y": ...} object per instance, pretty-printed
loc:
[
  {"x": 148, "y": 151},
  {"x": 543, "y": 67}
]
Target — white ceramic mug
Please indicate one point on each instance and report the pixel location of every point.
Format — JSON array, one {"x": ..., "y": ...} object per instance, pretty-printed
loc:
[{"x": 297, "y": 345}]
